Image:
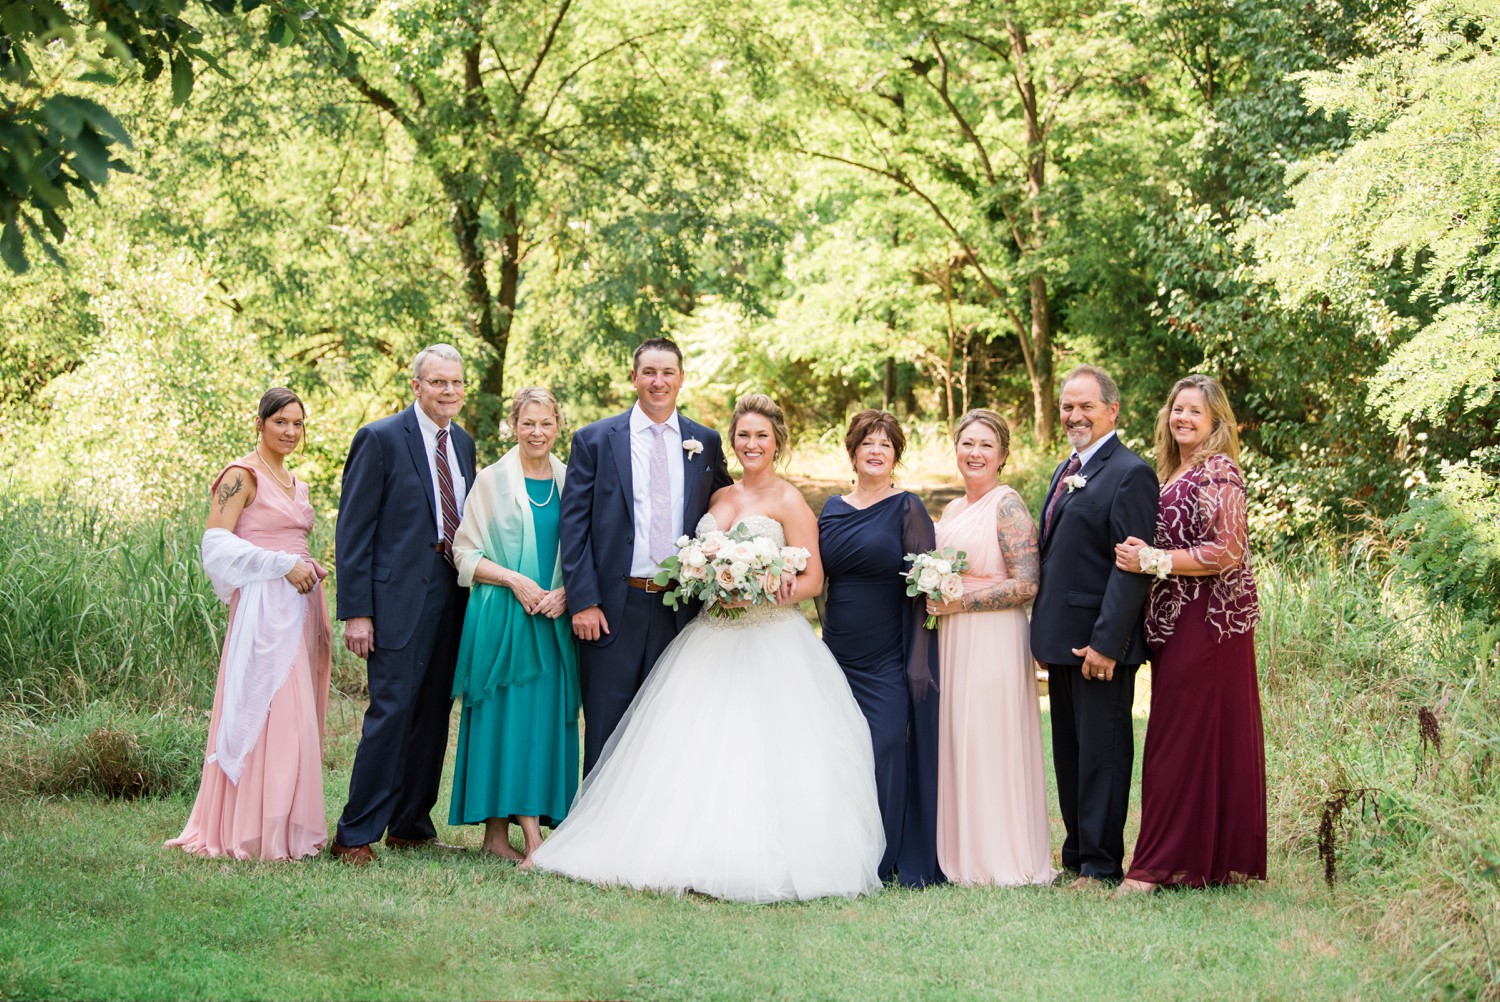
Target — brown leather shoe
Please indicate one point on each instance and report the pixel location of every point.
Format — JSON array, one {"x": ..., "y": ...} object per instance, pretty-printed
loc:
[
  {"x": 397, "y": 842},
  {"x": 354, "y": 855}
]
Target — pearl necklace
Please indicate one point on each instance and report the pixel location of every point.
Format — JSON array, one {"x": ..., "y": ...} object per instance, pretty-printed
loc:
[
  {"x": 548, "y": 500},
  {"x": 286, "y": 486}
]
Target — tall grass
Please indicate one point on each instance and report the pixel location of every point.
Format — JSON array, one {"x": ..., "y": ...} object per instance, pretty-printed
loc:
[
  {"x": 1383, "y": 754},
  {"x": 91, "y": 610}
]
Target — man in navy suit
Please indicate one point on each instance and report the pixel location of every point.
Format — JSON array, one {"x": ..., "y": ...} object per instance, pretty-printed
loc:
[
  {"x": 1086, "y": 623},
  {"x": 636, "y": 482},
  {"x": 403, "y": 494}
]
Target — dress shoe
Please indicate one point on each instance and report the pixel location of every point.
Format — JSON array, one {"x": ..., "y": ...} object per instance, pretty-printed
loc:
[
  {"x": 397, "y": 842},
  {"x": 354, "y": 855}
]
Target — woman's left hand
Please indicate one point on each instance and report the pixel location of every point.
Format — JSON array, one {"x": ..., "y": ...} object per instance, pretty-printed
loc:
[
  {"x": 553, "y": 604},
  {"x": 944, "y": 608},
  {"x": 1128, "y": 555}
]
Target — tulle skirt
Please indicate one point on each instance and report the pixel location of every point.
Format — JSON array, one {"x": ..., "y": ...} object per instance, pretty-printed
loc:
[{"x": 743, "y": 770}]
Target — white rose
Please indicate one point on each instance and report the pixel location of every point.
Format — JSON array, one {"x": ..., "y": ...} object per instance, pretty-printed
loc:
[
  {"x": 694, "y": 557},
  {"x": 942, "y": 566},
  {"x": 953, "y": 588},
  {"x": 929, "y": 580},
  {"x": 724, "y": 576}
]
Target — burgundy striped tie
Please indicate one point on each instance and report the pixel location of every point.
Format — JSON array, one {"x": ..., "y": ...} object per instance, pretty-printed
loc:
[
  {"x": 1074, "y": 463},
  {"x": 445, "y": 491}
]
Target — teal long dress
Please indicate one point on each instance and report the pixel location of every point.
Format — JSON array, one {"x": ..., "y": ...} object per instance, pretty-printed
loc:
[{"x": 518, "y": 746}]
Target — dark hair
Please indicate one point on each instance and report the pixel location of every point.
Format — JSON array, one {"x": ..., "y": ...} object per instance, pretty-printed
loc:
[
  {"x": 867, "y": 421},
  {"x": 994, "y": 422},
  {"x": 276, "y": 398},
  {"x": 759, "y": 403},
  {"x": 1109, "y": 392},
  {"x": 654, "y": 344}
]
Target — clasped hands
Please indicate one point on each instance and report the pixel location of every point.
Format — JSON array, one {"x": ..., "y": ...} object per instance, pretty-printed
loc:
[
  {"x": 537, "y": 600},
  {"x": 784, "y": 593}
]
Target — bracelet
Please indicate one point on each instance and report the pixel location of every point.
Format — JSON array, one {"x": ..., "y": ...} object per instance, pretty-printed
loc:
[{"x": 1156, "y": 562}]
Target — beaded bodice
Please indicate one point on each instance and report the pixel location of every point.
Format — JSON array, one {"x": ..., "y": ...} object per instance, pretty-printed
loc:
[{"x": 761, "y": 525}]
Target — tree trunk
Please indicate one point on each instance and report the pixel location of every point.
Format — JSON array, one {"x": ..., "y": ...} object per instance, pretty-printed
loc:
[{"x": 1043, "y": 390}]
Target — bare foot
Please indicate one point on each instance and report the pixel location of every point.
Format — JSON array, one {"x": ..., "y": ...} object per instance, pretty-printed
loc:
[
  {"x": 504, "y": 850},
  {"x": 526, "y": 863},
  {"x": 1129, "y": 887}
]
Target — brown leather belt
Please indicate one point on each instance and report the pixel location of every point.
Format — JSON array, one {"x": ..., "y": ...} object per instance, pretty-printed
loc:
[{"x": 647, "y": 584}]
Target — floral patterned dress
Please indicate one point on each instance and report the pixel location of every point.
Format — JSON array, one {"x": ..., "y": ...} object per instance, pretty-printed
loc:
[{"x": 1203, "y": 777}]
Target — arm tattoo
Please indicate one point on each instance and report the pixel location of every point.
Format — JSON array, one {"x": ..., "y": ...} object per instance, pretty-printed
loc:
[
  {"x": 228, "y": 490},
  {"x": 1022, "y": 562}
]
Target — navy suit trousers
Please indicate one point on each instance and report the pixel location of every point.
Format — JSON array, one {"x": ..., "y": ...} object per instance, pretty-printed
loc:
[
  {"x": 1093, "y": 752},
  {"x": 398, "y": 766},
  {"x": 609, "y": 676}
]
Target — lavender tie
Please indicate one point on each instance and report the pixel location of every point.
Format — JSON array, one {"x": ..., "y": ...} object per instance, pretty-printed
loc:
[{"x": 662, "y": 544}]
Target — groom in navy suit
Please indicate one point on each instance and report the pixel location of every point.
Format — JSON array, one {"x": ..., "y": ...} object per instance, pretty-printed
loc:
[
  {"x": 1086, "y": 622},
  {"x": 404, "y": 486},
  {"x": 636, "y": 482}
]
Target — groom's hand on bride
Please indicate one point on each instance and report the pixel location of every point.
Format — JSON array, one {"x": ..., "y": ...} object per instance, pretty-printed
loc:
[{"x": 590, "y": 624}]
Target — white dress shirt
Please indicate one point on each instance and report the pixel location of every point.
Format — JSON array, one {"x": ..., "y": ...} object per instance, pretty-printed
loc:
[
  {"x": 460, "y": 488},
  {"x": 1087, "y": 454},
  {"x": 642, "y": 440}
]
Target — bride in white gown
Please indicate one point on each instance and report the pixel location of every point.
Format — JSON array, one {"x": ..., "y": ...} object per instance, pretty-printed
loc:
[{"x": 743, "y": 769}]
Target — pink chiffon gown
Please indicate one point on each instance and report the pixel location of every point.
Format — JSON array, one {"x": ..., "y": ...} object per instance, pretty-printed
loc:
[
  {"x": 992, "y": 792},
  {"x": 276, "y": 810}
]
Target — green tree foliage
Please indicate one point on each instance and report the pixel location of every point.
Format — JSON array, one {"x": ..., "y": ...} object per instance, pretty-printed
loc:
[
  {"x": 56, "y": 141},
  {"x": 1399, "y": 231}
]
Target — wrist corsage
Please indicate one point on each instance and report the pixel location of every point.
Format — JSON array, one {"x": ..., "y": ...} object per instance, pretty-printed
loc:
[{"x": 1156, "y": 562}]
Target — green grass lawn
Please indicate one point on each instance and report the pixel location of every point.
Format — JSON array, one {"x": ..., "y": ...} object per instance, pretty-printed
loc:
[{"x": 92, "y": 906}]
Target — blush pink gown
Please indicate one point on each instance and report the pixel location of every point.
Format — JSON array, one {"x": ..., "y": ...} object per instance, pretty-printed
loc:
[
  {"x": 992, "y": 792},
  {"x": 276, "y": 811}
]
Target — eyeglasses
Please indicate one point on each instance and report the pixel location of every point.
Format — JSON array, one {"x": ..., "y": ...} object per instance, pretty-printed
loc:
[{"x": 444, "y": 385}]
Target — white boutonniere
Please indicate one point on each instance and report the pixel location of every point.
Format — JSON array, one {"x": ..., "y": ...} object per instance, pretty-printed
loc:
[
  {"x": 692, "y": 447},
  {"x": 1076, "y": 483}
]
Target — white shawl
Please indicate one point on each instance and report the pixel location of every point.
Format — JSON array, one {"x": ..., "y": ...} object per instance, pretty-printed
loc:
[{"x": 262, "y": 642}]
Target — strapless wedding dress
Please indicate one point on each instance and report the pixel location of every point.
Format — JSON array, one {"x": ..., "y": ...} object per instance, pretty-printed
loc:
[{"x": 743, "y": 770}]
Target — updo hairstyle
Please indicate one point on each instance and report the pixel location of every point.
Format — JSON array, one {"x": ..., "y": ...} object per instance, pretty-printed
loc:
[{"x": 759, "y": 403}]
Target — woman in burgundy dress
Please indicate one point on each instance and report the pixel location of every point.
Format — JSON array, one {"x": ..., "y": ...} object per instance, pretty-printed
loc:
[{"x": 1203, "y": 778}]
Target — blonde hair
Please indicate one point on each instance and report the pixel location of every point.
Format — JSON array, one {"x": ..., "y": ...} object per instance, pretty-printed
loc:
[
  {"x": 1223, "y": 437},
  {"x": 994, "y": 422},
  {"x": 530, "y": 395},
  {"x": 759, "y": 403}
]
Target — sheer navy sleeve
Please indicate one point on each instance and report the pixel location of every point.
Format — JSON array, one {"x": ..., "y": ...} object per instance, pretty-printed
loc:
[{"x": 918, "y": 535}]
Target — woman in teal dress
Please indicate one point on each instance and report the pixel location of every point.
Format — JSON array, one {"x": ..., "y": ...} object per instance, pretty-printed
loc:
[{"x": 517, "y": 668}]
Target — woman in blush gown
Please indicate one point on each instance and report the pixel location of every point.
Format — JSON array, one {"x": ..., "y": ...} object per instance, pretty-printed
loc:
[
  {"x": 1203, "y": 775},
  {"x": 742, "y": 769},
  {"x": 875, "y": 631},
  {"x": 261, "y": 792},
  {"x": 992, "y": 793}
]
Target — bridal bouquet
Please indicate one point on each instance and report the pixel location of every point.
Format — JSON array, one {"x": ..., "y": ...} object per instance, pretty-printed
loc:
[
  {"x": 937, "y": 575},
  {"x": 733, "y": 566}
]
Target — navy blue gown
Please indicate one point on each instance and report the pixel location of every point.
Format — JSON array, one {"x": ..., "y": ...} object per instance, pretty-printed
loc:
[{"x": 875, "y": 632}]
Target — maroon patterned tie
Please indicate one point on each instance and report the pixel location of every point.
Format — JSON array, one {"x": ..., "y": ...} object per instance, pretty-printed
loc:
[
  {"x": 445, "y": 491},
  {"x": 1073, "y": 466}
]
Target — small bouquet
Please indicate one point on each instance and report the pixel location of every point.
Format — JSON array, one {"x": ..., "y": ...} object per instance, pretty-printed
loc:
[
  {"x": 733, "y": 566},
  {"x": 937, "y": 575}
]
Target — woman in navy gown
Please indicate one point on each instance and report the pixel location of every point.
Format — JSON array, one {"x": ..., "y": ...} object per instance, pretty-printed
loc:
[{"x": 875, "y": 631}]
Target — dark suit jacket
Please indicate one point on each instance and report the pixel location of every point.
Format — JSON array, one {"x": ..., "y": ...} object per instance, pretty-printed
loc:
[
  {"x": 387, "y": 524},
  {"x": 598, "y": 511},
  {"x": 1084, "y": 599}
]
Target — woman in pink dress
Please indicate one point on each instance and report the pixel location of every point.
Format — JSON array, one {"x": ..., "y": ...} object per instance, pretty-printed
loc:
[
  {"x": 1203, "y": 776},
  {"x": 261, "y": 793},
  {"x": 992, "y": 794}
]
